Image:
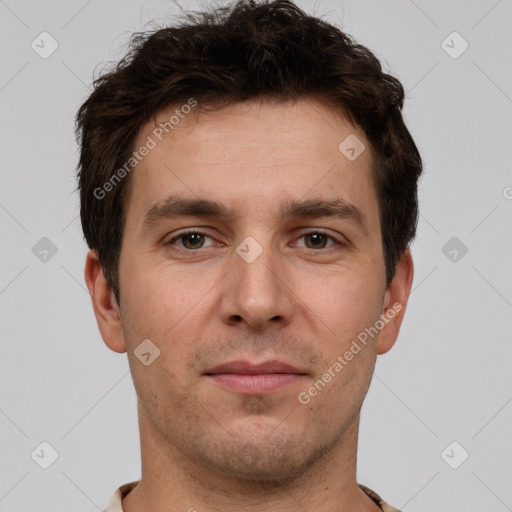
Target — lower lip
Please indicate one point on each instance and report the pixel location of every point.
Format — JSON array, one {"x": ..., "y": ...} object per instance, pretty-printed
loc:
[{"x": 256, "y": 384}]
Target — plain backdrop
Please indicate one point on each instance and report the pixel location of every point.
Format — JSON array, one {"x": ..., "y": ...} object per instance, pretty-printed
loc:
[{"x": 442, "y": 394}]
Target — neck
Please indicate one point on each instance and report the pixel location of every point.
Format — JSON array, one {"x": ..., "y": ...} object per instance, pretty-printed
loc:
[{"x": 171, "y": 482}]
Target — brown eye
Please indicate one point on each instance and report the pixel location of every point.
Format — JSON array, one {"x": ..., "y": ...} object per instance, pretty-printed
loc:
[
  {"x": 192, "y": 240},
  {"x": 318, "y": 240}
]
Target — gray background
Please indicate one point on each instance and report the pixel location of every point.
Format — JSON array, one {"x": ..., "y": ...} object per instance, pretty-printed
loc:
[{"x": 448, "y": 377}]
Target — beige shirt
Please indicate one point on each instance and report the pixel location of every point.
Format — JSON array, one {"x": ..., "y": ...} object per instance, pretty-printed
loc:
[{"x": 115, "y": 502}]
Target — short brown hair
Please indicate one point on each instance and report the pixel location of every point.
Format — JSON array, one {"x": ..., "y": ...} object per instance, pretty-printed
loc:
[{"x": 265, "y": 49}]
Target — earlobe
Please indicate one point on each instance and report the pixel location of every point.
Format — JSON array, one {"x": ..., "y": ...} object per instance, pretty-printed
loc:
[
  {"x": 395, "y": 302},
  {"x": 104, "y": 304}
]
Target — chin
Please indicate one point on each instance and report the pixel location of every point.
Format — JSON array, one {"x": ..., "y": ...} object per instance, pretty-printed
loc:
[{"x": 265, "y": 457}]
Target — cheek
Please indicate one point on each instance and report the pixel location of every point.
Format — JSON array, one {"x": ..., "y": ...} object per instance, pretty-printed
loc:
[
  {"x": 156, "y": 297},
  {"x": 352, "y": 306},
  {"x": 341, "y": 308},
  {"x": 168, "y": 307}
]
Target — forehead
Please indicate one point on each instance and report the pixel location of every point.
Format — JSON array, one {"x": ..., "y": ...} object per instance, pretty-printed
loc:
[{"x": 250, "y": 155}]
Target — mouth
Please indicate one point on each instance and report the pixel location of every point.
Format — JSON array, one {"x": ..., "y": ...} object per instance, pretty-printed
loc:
[{"x": 255, "y": 379}]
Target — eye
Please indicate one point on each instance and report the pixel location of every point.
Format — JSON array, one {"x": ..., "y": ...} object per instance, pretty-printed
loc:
[
  {"x": 194, "y": 240},
  {"x": 190, "y": 240},
  {"x": 318, "y": 240}
]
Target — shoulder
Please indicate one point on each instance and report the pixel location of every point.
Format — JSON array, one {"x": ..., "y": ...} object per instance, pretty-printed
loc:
[
  {"x": 386, "y": 507},
  {"x": 115, "y": 503}
]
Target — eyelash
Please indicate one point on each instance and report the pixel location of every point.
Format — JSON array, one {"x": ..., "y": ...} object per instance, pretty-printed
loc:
[{"x": 315, "y": 232}]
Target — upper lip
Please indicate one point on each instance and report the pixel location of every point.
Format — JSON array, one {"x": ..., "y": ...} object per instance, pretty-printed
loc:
[{"x": 245, "y": 367}]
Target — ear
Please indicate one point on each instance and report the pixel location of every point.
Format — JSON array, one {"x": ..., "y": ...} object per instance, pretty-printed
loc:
[
  {"x": 104, "y": 304},
  {"x": 395, "y": 302}
]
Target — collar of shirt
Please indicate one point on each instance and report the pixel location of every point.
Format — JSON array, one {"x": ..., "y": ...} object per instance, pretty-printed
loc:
[{"x": 116, "y": 506}]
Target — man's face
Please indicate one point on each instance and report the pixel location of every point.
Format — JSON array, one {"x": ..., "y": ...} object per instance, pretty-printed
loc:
[{"x": 252, "y": 286}]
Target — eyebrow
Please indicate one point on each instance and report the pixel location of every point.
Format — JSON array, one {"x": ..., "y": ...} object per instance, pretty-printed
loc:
[{"x": 176, "y": 206}]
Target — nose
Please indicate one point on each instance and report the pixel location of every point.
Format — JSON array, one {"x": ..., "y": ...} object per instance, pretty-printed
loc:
[{"x": 257, "y": 292}]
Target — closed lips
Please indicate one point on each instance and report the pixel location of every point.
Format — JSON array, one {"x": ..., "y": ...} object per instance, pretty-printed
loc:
[{"x": 248, "y": 368}]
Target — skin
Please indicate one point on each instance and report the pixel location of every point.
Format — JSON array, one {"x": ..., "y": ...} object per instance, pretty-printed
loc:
[{"x": 211, "y": 449}]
